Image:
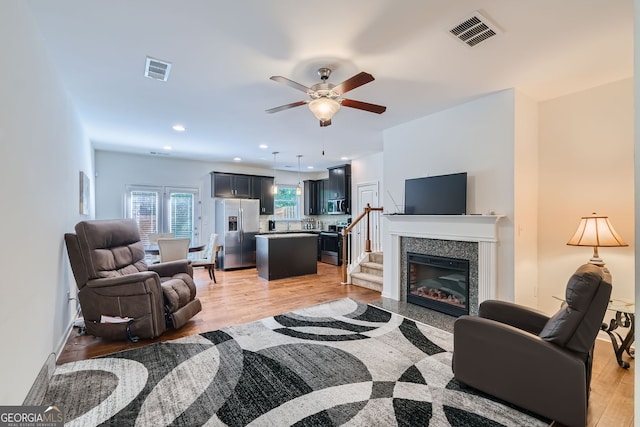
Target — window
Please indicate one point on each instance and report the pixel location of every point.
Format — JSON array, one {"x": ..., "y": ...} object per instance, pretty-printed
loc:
[
  {"x": 163, "y": 210},
  {"x": 286, "y": 203}
]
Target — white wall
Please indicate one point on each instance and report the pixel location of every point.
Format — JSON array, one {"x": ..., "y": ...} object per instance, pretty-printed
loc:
[
  {"x": 367, "y": 170},
  {"x": 526, "y": 164},
  {"x": 586, "y": 165},
  {"x": 43, "y": 151},
  {"x": 477, "y": 138}
]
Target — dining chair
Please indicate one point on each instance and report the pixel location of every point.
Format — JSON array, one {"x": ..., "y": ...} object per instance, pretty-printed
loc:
[
  {"x": 153, "y": 237},
  {"x": 209, "y": 260},
  {"x": 173, "y": 249}
]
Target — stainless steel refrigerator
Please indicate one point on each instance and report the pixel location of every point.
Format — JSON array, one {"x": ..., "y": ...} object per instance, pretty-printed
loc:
[{"x": 237, "y": 223}]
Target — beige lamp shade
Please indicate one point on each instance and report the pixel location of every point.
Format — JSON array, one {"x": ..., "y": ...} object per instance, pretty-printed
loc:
[{"x": 596, "y": 231}]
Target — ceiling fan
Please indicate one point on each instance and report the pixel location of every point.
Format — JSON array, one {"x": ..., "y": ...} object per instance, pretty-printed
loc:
[{"x": 325, "y": 98}]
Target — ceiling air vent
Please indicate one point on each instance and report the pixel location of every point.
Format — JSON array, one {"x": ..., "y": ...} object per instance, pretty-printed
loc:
[
  {"x": 474, "y": 30},
  {"x": 156, "y": 69}
]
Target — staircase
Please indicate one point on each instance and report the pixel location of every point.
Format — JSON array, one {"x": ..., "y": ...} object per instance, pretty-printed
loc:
[{"x": 370, "y": 274}]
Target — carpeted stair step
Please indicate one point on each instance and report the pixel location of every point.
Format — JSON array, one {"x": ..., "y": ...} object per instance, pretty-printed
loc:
[
  {"x": 369, "y": 281},
  {"x": 375, "y": 257},
  {"x": 372, "y": 268}
]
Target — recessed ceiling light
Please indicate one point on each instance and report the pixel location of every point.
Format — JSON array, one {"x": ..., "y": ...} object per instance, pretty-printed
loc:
[
  {"x": 167, "y": 147},
  {"x": 237, "y": 159},
  {"x": 178, "y": 128},
  {"x": 344, "y": 158},
  {"x": 309, "y": 167},
  {"x": 263, "y": 146}
]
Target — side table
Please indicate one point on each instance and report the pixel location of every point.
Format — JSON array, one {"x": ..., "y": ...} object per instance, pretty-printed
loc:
[{"x": 624, "y": 318}]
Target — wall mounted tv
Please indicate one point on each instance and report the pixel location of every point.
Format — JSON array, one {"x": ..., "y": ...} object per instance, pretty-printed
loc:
[{"x": 436, "y": 195}]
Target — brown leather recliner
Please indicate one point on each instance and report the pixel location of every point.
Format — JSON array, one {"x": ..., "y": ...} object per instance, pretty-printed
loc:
[
  {"x": 537, "y": 362},
  {"x": 107, "y": 259}
]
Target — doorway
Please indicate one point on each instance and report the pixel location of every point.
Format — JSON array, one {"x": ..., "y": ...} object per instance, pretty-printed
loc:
[{"x": 367, "y": 192}]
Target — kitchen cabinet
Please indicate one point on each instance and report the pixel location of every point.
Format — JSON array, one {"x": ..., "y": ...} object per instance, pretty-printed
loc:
[
  {"x": 339, "y": 185},
  {"x": 230, "y": 185},
  {"x": 314, "y": 197},
  {"x": 241, "y": 186},
  {"x": 286, "y": 255},
  {"x": 262, "y": 188},
  {"x": 310, "y": 198},
  {"x": 321, "y": 192}
]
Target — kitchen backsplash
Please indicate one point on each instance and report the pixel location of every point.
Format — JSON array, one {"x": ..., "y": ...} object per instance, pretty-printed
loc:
[{"x": 320, "y": 222}]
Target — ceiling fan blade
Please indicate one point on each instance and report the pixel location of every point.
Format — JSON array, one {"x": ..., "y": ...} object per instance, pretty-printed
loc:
[
  {"x": 373, "y": 108},
  {"x": 353, "y": 82},
  {"x": 286, "y": 106},
  {"x": 292, "y": 84},
  {"x": 325, "y": 123}
]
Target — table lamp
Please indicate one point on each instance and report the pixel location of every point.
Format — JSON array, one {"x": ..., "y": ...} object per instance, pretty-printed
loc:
[{"x": 595, "y": 231}]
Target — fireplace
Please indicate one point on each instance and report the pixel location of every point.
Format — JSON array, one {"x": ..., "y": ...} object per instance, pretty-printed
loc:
[
  {"x": 469, "y": 237},
  {"x": 438, "y": 283}
]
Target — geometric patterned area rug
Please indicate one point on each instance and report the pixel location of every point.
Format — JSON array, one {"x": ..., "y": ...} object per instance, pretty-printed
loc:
[{"x": 337, "y": 363}]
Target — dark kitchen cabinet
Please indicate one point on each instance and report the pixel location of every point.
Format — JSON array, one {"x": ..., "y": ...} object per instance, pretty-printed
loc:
[
  {"x": 230, "y": 185},
  {"x": 262, "y": 188},
  {"x": 310, "y": 198},
  {"x": 314, "y": 197},
  {"x": 240, "y": 186},
  {"x": 321, "y": 192},
  {"x": 339, "y": 185}
]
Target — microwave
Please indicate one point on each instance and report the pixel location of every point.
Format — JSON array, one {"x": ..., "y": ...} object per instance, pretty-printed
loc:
[{"x": 336, "y": 206}]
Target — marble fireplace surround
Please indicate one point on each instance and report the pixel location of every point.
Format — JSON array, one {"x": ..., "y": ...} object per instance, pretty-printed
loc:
[{"x": 481, "y": 229}]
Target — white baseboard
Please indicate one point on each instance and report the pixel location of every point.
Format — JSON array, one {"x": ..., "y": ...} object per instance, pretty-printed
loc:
[
  {"x": 65, "y": 336},
  {"x": 39, "y": 387}
]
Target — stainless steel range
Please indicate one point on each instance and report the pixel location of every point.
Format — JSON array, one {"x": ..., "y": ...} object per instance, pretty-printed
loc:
[{"x": 331, "y": 247}]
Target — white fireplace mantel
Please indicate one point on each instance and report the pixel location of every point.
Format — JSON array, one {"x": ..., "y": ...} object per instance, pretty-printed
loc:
[{"x": 482, "y": 229}]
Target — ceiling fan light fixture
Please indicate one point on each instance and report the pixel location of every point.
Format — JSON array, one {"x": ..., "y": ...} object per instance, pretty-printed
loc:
[{"x": 324, "y": 108}]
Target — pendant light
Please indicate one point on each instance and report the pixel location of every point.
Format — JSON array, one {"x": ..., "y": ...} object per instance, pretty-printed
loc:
[
  {"x": 274, "y": 190},
  {"x": 299, "y": 188}
]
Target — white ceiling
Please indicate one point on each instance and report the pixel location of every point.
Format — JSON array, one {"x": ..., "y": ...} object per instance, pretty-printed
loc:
[{"x": 223, "y": 53}]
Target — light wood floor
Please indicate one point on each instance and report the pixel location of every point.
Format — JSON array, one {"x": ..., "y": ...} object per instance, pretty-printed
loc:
[{"x": 240, "y": 296}]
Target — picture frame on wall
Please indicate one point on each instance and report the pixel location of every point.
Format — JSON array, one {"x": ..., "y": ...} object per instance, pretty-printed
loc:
[{"x": 85, "y": 193}]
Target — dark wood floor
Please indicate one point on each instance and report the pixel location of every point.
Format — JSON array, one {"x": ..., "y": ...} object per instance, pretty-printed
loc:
[{"x": 240, "y": 296}]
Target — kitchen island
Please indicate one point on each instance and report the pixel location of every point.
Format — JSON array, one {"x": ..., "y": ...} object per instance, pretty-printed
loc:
[{"x": 286, "y": 255}]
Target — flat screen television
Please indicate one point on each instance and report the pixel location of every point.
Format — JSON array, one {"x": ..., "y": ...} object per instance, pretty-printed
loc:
[{"x": 436, "y": 195}]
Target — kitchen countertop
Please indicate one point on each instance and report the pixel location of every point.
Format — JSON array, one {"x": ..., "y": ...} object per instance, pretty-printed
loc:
[
  {"x": 313, "y": 231},
  {"x": 289, "y": 235}
]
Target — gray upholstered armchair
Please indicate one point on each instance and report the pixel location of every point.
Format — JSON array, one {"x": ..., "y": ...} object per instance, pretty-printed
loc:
[
  {"x": 107, "y": 259},
  {"x": 539, "y": 363}
]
